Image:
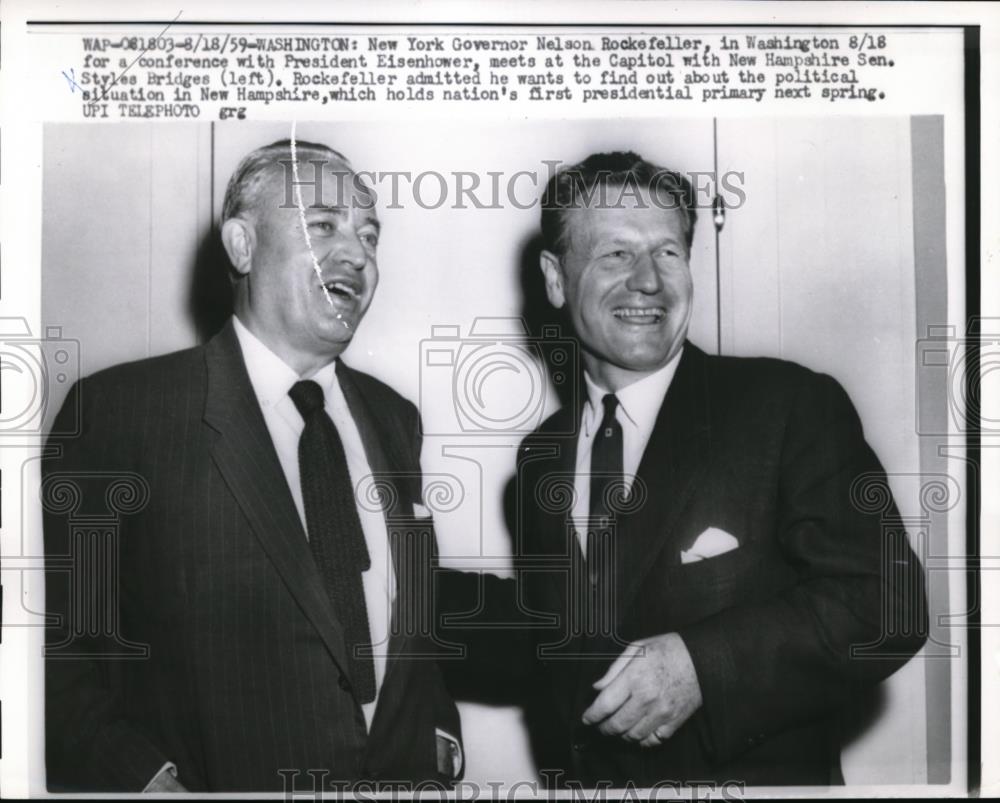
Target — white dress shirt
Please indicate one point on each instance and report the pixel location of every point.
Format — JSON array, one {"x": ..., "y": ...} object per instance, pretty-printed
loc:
[
  {"x": 638, "y": 406},
  {"x": 272, "y": 378}
]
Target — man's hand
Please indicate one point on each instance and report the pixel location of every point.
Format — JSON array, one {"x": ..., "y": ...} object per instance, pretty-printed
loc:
[{"x": 648, "y": 692}]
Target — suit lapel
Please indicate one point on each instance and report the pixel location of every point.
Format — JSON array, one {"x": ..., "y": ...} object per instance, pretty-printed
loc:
[
  {"x": 545, "y": 527},
  {"x": 670, "y": 472},
  {"x": 549, "y": 476},
  {"x": 245, "y": 456},
  {"x": 384, "y": 454}
]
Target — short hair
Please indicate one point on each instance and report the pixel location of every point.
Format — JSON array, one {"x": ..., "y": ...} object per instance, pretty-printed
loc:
[
  {"x": 248, "y": 180},
  {"x": 581, "y": 182}
]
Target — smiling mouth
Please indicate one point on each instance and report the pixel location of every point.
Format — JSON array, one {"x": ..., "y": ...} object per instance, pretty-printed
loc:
[
  {"x": 644, "y": 316},
  {"x": 341, "y": 290}
]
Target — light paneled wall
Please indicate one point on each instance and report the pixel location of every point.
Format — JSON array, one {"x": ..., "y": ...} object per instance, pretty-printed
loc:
[
  {"x": 817, "y": 266},
  {"x": 125, "y": 208}
]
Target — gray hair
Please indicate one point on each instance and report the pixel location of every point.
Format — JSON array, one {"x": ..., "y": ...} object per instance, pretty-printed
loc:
[{"x": 247, "y": 183}]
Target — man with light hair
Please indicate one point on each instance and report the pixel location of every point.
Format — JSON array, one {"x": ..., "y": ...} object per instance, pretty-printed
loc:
[{"x": 252, "y": 646}]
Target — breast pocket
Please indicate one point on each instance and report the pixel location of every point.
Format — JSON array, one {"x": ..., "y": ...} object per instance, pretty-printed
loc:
[{"x": 694, "y": 591}]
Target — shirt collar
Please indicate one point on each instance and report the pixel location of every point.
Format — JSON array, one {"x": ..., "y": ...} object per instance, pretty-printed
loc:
[
  {"x": 639, "y": 402},
  {"x": 270, "y": 376}
]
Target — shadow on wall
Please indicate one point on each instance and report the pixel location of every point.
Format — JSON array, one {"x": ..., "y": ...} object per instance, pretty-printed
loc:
[
  {"x": 210, "y": 302},
  {"x": 539, "y": 315}
]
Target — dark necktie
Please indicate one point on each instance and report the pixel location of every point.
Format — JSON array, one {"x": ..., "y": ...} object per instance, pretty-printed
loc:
[
  {"x": 606, "y": 485},
  {"x": 335, "y": 535}
]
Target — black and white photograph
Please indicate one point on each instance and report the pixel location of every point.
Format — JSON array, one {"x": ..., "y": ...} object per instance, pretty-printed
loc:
[{"x": 501, "y": 410}]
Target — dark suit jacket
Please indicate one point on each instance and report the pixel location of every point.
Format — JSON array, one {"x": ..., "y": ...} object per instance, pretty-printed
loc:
[
  {"x": 223, "y": 654},
  {"x": 822, "y": 599}
]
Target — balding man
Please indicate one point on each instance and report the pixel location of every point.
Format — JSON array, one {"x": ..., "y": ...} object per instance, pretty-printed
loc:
[{"x": 253, "y": 645}]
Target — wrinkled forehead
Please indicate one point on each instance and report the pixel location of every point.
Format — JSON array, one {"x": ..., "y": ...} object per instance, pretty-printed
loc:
[
  {"x": 620, "y": 208},
  {"x": 320, "y": 183}
]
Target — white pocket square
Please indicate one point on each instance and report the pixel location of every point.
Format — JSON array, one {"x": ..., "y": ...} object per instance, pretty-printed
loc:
[
  {"x": 710, "y": 543},
  {"x": 420, "y": 512}
]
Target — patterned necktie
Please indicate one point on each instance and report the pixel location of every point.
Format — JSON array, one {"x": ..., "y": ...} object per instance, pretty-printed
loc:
[
  {"x": 335, "y": 535},
  {"x": 606, "y": 484}
]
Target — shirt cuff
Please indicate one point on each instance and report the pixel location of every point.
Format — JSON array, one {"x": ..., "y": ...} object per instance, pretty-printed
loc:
[
  {"x": 450, "y": 759},
  {"x": 168, "y": 767}
]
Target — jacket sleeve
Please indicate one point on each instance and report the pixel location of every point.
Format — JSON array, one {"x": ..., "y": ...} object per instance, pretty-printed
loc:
[
  {"x": 480, "y": 613},
  {"x": 89, "y": 744},
  {"x": 857, "y": 611}
]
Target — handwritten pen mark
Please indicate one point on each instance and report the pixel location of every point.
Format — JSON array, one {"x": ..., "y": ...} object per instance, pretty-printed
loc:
[
  {"x": 71, "y": 78},
  {"x": 104, "y": 92}
]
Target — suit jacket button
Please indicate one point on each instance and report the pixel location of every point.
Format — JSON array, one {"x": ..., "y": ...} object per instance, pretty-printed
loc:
[
  {"x": 344, "y": 683},
  {"x": 579, "y": 746}
]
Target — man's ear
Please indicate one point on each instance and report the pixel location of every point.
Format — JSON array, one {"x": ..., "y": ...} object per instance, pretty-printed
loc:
[
  {"x": 552, "y": 271},
  {"x": 238, "y": 240}
]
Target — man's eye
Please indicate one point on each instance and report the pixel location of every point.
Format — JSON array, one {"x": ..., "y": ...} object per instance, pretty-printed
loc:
[
  {"x": 618, "y": 254},
  {"x": 323, "y": 226},
  {"x": 370, "y": 238}
]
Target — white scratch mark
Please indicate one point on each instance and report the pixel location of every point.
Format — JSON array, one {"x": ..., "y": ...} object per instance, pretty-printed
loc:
[{"x": 305, "y": 228}]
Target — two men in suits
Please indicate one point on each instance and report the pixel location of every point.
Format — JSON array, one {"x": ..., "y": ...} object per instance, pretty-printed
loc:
[
  {"x": 705, "y": 591},
  {"x": 244, "y": 639}
]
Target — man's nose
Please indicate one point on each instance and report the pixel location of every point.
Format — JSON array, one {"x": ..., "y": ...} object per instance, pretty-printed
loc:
[
  {"x": 350, "y": 250},
  {"x": 644, "y": 277}
]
